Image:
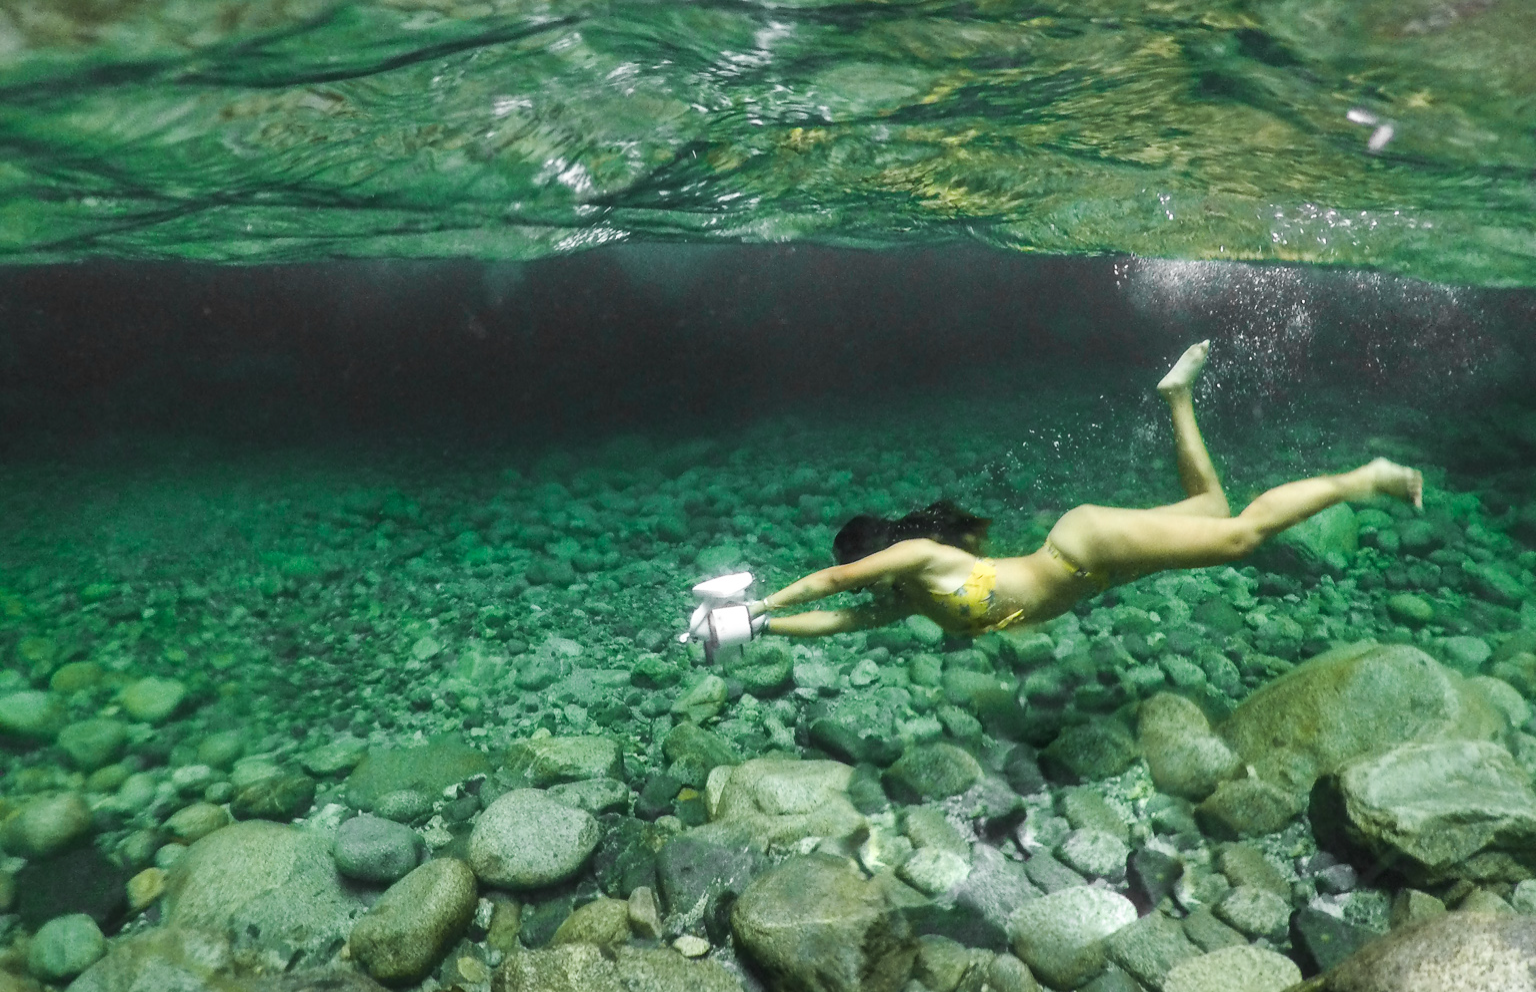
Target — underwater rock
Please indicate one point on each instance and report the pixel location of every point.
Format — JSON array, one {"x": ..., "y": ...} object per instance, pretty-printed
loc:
[
  {"x": 152, "y": 700},
  {"x": 1185, "y": 758},
  {"x": 526, "y": 840},
  {"x": 586, "y": 968},
  {"x": 31, "y": 715},
  {"x": 596, "y": 795},
  {"x": 1149, "y": 948},
  {"x": 1322, "y": 940},
  {"x": 411, "y": 926},
  {"x": 702, "y": 700},
  {"x": 186, "y": 960},
  {"x": 780, "y": 801},
  {"x": 1247, "y": 807},
  {"x": 1413, "y": 610},
  {"x": 1095, "y": 854},
  {"x": 1092, "y": 751},
  {"x": 64, "y": 947},
  {"x": 94, "y": 743},
  {"x": 259, "y": 877},
  {"x": 281, "y": 798},
  {"x": 334, "y": 757},
  {"x": 373, "y": 849},
  {"x": 403, "y": 805},
  {"x": 1494, "y": 583},
  {"x": 762, "y": 667},
  {"x": 1234, "y": 969},
  {"x": 543, "y": 762},
  {"x": 931, "y": 771},
  {"x": 1061, "y": 936},
  {"x": 1244, "y": 864},
  {"x": 443, "y": 761},
  {"x": 1328, "y": 539},
  {"x": 1443, "y": 810},
  {"x": 694, "y": 752},
  {"x": 982, "y": 902},
  {"x": 814, "y": 923},
  {"x": 46, "y": 825},
  {"x": 1465, "y": 654},
  {"x": 604, "y": 922},
  {"x": 1254, "y": 911},
  {"x": 191, "y": 824},
  {"x": 691, "y": 870},
  {"x": 1350, "y": 701},
  {"x": 1454, "y": 952},
  {"x": 933, "y": 870}
]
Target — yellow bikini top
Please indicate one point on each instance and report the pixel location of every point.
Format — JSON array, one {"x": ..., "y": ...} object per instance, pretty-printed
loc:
[{"x": 970, "y": 604}]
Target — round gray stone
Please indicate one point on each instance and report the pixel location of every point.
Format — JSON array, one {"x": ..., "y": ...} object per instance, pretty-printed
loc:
[
  {"x": 403, "y": 805},
  {"x": 1465, "y": 654},
  {"x": 64, "y": 947},
  {"x": 47, "y": 825},
  {"x": 1095, "y": 853},
  {"x": 1255, "y": 911},
  {"x": 1061, "y": 936},
  {"x": 373, "y": 849},
  {"x": 32, "y": 715},
  {"x": 1234, "y": 969},
  {"x": 92, "y": 744},
  {"x": 525, "y": 840},
  {"x": 931, "y": 771},
  {"x": 152, "y": 700}
]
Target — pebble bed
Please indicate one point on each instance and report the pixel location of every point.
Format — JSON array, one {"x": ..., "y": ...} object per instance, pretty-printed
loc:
[{"x": 439, "y": 705}]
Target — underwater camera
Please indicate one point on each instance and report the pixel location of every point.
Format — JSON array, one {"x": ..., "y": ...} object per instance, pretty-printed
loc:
[{"x": 722, "y": 620}]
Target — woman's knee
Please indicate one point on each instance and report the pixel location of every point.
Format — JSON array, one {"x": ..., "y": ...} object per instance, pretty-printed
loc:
[{"x": 1242, "y": 537}]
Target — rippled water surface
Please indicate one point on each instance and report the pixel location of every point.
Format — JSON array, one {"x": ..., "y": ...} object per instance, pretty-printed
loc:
[{"x": 1389, "y": 133}]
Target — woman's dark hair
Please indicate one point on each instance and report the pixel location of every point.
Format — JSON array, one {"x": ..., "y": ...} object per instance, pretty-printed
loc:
[{"x": 942, "y": 521}]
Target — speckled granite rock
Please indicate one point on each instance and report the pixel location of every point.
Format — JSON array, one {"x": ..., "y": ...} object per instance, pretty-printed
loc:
[{"x": 1453, "y": 952}]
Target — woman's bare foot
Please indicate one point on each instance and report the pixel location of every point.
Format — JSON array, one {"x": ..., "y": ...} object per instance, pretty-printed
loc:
[
  {"x": 1185, "y": 370},
  {"x": 1398, "y": 481}
]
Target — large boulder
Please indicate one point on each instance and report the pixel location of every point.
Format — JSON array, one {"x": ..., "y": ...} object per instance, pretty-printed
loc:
[
  {"x": 526, "y": 840},
  {"x": 266, "y": 879},
  {"x": 430, "y": 769},
  {"x": 1452, "y": 952},
  {"x": 815, "y": 924},
  {"x": 406, "y": 933},
  {"x": 1443, "y": 810},
  {"x": 780, "y": 801},
  {"x": 1351, "y": 701}
]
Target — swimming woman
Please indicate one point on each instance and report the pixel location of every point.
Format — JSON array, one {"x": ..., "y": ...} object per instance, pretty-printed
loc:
[{"x": 929, "y": 560}]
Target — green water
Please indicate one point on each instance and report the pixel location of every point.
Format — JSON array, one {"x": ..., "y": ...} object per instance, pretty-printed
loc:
[{"x": 515, "y": 129}]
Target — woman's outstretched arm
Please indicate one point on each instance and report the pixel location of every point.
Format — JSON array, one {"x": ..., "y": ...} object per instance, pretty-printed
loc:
[{"x": 820, "y": 623}]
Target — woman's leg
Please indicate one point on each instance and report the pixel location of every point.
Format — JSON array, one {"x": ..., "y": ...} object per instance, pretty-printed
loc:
[
  {"x": 1196, "y": 471},
  {"x": 1138, "y": 542}
]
